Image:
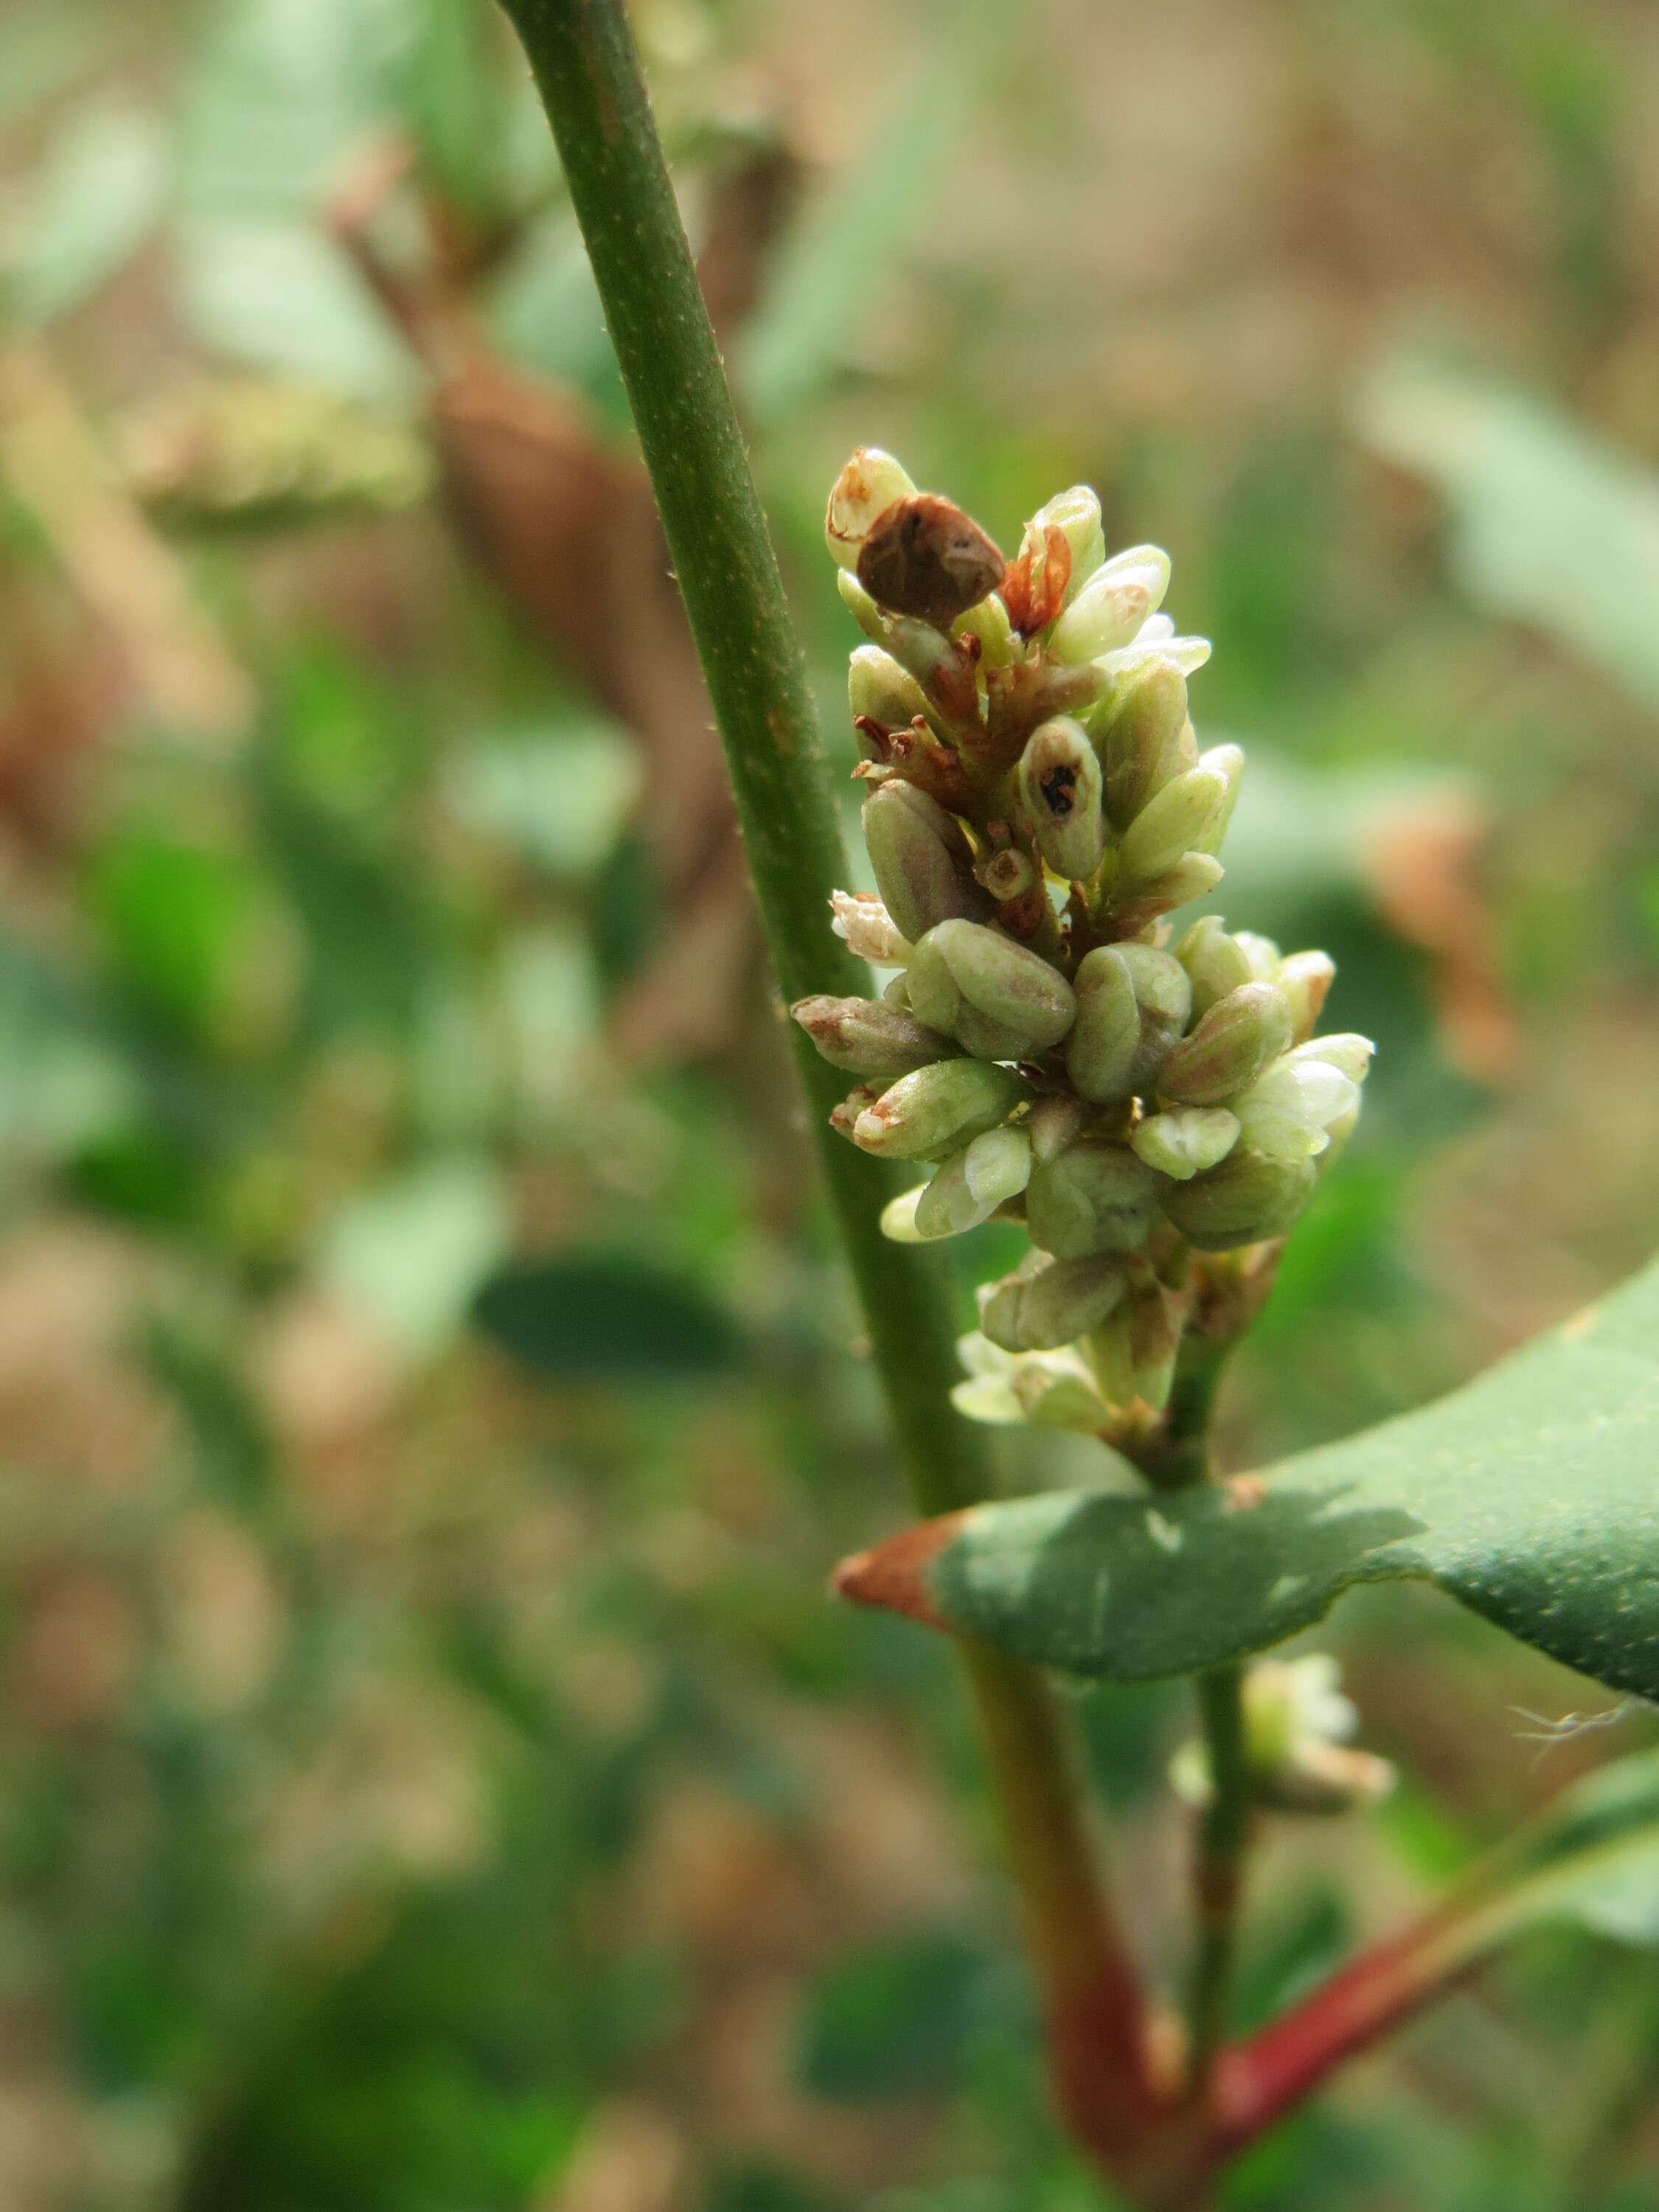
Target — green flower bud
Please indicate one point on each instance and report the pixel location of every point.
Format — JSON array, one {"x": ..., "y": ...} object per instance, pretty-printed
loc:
[
  {"x": 1164, "y": 995},
  {"x": 1094, "y": 1197},
  {"x": 1059, "y": 781},
  {"x": 1109, "y": 611},
  {"x": 861, "y": 919},
  {"x": 988, "y": 622},
  {"x": 997, "y": 1165},
  {"x": 1101, "y": 1049},
  {"x": 880, "y": 691},
  {"x": 1228, "y": 763},
  {"x": 1132, "y": 1005},
  {"x": 917, "y": 646},
  {"x": 922, "y": 863},
  {"x": 973, "y": 1182},
  {"x": 961, "y": 964},
  {"x": 1217, "y": 963},
  {"x": 1285, "y": 1112},
  {"x": 1186, "y": 1140},
  {"x": 988, "y": 1039},
  {"x": 1193, "y": 877},
  {"x": 932, "y": 1110},
  {"x": 1041, "y": 1312},
  {"x": 1306, "y": 978},
  {"x": 866, "y": 487},
  {"x": 1139, "y": 734},
  {"x": 1052, "y": 1124},
  {"x": 946, "y": 1206},
  {"x": 869, "y": 1036},
  {"x": 1245, "y": 1199},
  {"x": 1178, "y": 820},
  {"x": 1229, "y": 1047}
]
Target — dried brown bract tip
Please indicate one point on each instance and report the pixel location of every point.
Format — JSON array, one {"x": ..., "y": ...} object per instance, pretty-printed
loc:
[
  {"x": 1034, "y": 590},
  {"x": 925, "y": 557}
]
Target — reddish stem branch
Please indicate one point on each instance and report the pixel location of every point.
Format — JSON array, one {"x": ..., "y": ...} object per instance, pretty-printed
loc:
[{"x": 1259, "y": 2080}]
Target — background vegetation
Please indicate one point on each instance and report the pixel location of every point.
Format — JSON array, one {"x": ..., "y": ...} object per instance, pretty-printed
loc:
[{"x": 430, "y": 1780}]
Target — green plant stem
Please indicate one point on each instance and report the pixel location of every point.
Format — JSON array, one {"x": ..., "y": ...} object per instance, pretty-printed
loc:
[
  {"x": 588, "y": 75},
  {"x": 1178, "y": 1456},
  {"x": 1218, "y": 1879}
]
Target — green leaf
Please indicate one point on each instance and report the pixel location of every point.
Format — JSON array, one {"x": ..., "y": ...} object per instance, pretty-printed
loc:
[
  {"x": 598, "y": 1316},
  {"x": 895, "y": 2019},
  {"x": 96, "y": 196},
  {"x": 1552, "y": 527},
  {"x": 282, "y": 94},
  {"x": 1531, "y": 1496},
  {"x": 413, "y": 1253},
  {"x": 560, "y": 795}
]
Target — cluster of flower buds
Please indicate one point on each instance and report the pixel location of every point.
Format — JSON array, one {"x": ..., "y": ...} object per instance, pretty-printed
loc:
[
  {"x": 1297, "y": 1724},
  {"x": 1038, "y": 805}
]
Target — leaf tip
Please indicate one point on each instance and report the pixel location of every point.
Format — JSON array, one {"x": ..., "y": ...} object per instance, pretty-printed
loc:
[{"x": 894, "y": 1574}]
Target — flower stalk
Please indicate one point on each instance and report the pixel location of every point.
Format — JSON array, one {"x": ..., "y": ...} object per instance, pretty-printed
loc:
[{"x": 588, "y": 72}]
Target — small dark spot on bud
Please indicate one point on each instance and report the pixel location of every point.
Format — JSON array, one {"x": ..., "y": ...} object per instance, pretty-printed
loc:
[{"x": 1059, "y": 789}]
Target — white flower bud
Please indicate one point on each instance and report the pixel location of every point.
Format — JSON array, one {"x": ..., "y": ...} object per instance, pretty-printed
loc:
[
  {"x": 1076, "y": 514},
  {"x": 1110, "y": 609},
  {"x": 898, "y": 1216},
  {"x": 1262, "y": 953},
  {"x": 866, "y": 487},
  {"x": 1285, "y": 1112},
  {"x": 1228, "y": 763},
  {"x": 1188, "y": 654},
  {"x": 1186, "y": 1140},
  {"x": 1343, "y": 1048},
  {"x": 1306, "y": 978},
  {"x": 863, "y": 922}
]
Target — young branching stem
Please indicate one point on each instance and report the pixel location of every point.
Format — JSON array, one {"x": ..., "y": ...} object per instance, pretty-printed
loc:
[{"x": 588, "y": 75}]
